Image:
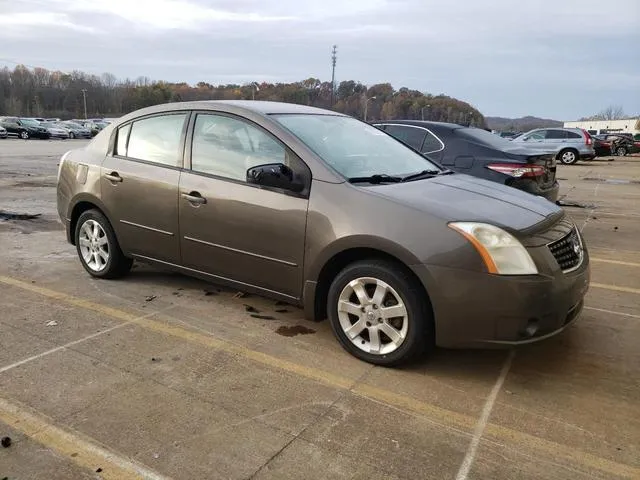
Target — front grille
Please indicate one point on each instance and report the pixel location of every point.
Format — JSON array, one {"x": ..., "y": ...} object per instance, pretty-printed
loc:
[{"x": 568, "y": 251}]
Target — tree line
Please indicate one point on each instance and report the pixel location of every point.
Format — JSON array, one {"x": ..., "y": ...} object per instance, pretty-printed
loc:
[{"x": 39, "y": 92}]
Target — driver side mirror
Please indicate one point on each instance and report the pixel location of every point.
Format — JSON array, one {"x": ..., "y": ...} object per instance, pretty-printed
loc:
[{"x": 275, "y": 175}]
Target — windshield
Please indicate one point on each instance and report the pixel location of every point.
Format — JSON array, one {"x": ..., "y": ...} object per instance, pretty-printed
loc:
[
  {"x": 485, "y": 138},
  {"x": 354, "y": 148},
  {"x": 29, "y": 122}
]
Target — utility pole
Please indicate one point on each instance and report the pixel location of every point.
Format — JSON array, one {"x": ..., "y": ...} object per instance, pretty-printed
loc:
[
  {"x": 84, "y": 98},
  {"x": 366, "y": 104},
  {"x": 334, "y": 58},
  {"x": 422, "y": 110}
]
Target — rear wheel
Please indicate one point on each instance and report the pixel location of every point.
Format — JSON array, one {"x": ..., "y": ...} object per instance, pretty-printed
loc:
[
  {"x": 72, "y": 135},
  {"x": 568, "y": 157},
  {"x": 98, "y": 247},
  {"x": 621, "y": 151},
  {"x": 379, "y": 313}
]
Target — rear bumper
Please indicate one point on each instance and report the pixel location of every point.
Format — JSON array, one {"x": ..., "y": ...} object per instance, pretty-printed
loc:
[
  {"x": 474, "y": 309},
  {"x": 587, "y": 156},
  {"x": 532, "y": 187}
]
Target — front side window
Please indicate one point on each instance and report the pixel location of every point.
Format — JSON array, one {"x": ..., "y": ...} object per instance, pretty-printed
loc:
[
  {"x": 227, "y": 147},
  {"x": 412, "y": 136},
  {"x": 157, "y": 139},
  {"x": 354, "y": 148},
  {"x": 539, "y": 135}
]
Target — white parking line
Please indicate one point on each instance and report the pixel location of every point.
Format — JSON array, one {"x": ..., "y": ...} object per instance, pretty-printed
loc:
[
  {"x": 470, "y": 456},
  {"x": 76, "y": 342},
  {"x": 622, "y": 314}
]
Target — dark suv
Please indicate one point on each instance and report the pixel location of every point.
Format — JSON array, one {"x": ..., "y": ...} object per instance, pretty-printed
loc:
[
  {"x": 479, "y": 153},
  {"x": 24, "y": 128}
]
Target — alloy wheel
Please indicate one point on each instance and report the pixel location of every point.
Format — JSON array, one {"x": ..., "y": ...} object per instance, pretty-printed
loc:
[
  {"x": 373, "y": 316},
  {"x": 94, "y": 245},
  {"x": 568, "y": 157}
]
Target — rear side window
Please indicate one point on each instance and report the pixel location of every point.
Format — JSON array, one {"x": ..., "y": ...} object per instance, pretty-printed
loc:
[
  {"x": 412, "y": 136},
  {"x": 121, "y": 140},
  {"x": 573, "y": 135},
  {"x": 556, "y": 134},
  {"x": 432, "y": 144},
  {"x": 157, "y": 139}
]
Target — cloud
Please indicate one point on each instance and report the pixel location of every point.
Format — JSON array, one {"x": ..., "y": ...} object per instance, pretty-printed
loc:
[
  {"x": 566, "y": 58},
  {"x": 166, "y": 14},
  {"x": 23, "y": 22}
]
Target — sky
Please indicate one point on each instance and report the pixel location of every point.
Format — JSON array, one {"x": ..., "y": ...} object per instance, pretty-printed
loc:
[{"x": 560, "y": 59}]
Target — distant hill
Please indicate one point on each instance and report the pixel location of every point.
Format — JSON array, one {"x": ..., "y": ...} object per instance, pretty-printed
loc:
[{"x": 520, "y": 124}]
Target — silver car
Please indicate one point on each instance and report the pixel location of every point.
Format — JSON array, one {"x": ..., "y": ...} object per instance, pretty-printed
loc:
[{"x": 569, "y": 144}]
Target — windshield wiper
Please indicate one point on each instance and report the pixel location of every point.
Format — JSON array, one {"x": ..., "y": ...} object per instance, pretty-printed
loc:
[
  {"x": 377, "y": 178},
  {"x": 422, "y": 174}
]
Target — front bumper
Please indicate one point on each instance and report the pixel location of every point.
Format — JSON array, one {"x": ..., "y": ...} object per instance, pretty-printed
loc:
[{"x": 475, "y": 309}]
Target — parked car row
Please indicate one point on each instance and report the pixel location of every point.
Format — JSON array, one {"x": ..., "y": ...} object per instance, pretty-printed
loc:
[
  {"x": 619, "y": 144},
  {"x": 45, "y": 128},
  {"x": 479, "y": 153},
  {"x": 342, "y": 218}
]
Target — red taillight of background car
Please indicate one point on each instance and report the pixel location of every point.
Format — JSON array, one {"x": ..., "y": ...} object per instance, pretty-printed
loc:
[{"x": 518, "y": 170}]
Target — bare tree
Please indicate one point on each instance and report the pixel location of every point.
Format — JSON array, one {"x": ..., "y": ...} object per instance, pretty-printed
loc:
[{"x": 612, "y": 112}]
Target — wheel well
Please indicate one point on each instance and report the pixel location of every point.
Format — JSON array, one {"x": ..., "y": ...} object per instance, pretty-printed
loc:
[
  {"x": 344, "y": 258},
  {"x": 78, "y": 210}
]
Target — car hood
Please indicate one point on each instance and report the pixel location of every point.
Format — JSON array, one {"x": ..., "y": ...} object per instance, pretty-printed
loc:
[{"x": 460, "y": 197}]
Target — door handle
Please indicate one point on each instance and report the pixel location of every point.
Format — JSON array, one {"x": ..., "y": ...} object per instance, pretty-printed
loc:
[
  {"x": 113, "y": 177},
  {"x": 194, "y": 197}
]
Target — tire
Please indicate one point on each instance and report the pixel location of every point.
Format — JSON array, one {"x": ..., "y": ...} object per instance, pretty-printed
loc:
[
  {"x": 72, "y": 135},
  {"x": 24, "y": 135},
  {"x": 415, "y": 331},
  {"x": 621, "y": 151},
  {"x": 89, "y": 246},
  {"x": 568, "y": 156}
]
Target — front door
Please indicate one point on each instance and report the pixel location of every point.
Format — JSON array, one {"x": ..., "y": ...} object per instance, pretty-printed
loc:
[
  {"x": 139, "y": 184},
  {"x": 231, "y": 229}
]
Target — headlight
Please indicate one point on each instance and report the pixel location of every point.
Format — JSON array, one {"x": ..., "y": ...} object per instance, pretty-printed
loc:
[{"x": 501, "y": 252}]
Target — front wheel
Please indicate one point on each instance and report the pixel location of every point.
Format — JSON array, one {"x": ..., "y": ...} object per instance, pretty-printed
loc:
[
  {"x": 379, "y": 313},
  {"x": 72, "y": 135},
  {"x": 621, "y": 151},
  {"x": 568, "y": 157},
  {"x": 98, "y": 247},
  {"x": 24, "y": 135}
]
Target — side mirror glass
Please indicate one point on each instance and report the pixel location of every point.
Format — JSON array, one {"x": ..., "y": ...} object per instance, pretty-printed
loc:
[{"x": 276, "y": 175}]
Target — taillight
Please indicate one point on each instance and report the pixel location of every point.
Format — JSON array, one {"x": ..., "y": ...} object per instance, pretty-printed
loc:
[
  {"x": 587, "y": 136},
  {"x": 518, "y": 170}
]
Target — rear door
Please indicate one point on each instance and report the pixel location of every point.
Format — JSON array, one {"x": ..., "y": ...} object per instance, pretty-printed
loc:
[{"x": 139, "y": 184}]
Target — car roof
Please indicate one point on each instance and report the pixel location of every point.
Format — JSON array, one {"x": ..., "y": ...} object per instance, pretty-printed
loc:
[
  {"x": 421, "y": 123},
  {"x": 260, "y": 107}
]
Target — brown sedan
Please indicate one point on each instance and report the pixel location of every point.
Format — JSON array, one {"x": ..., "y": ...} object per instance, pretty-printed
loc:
[{"x": 327, "y": 212}]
